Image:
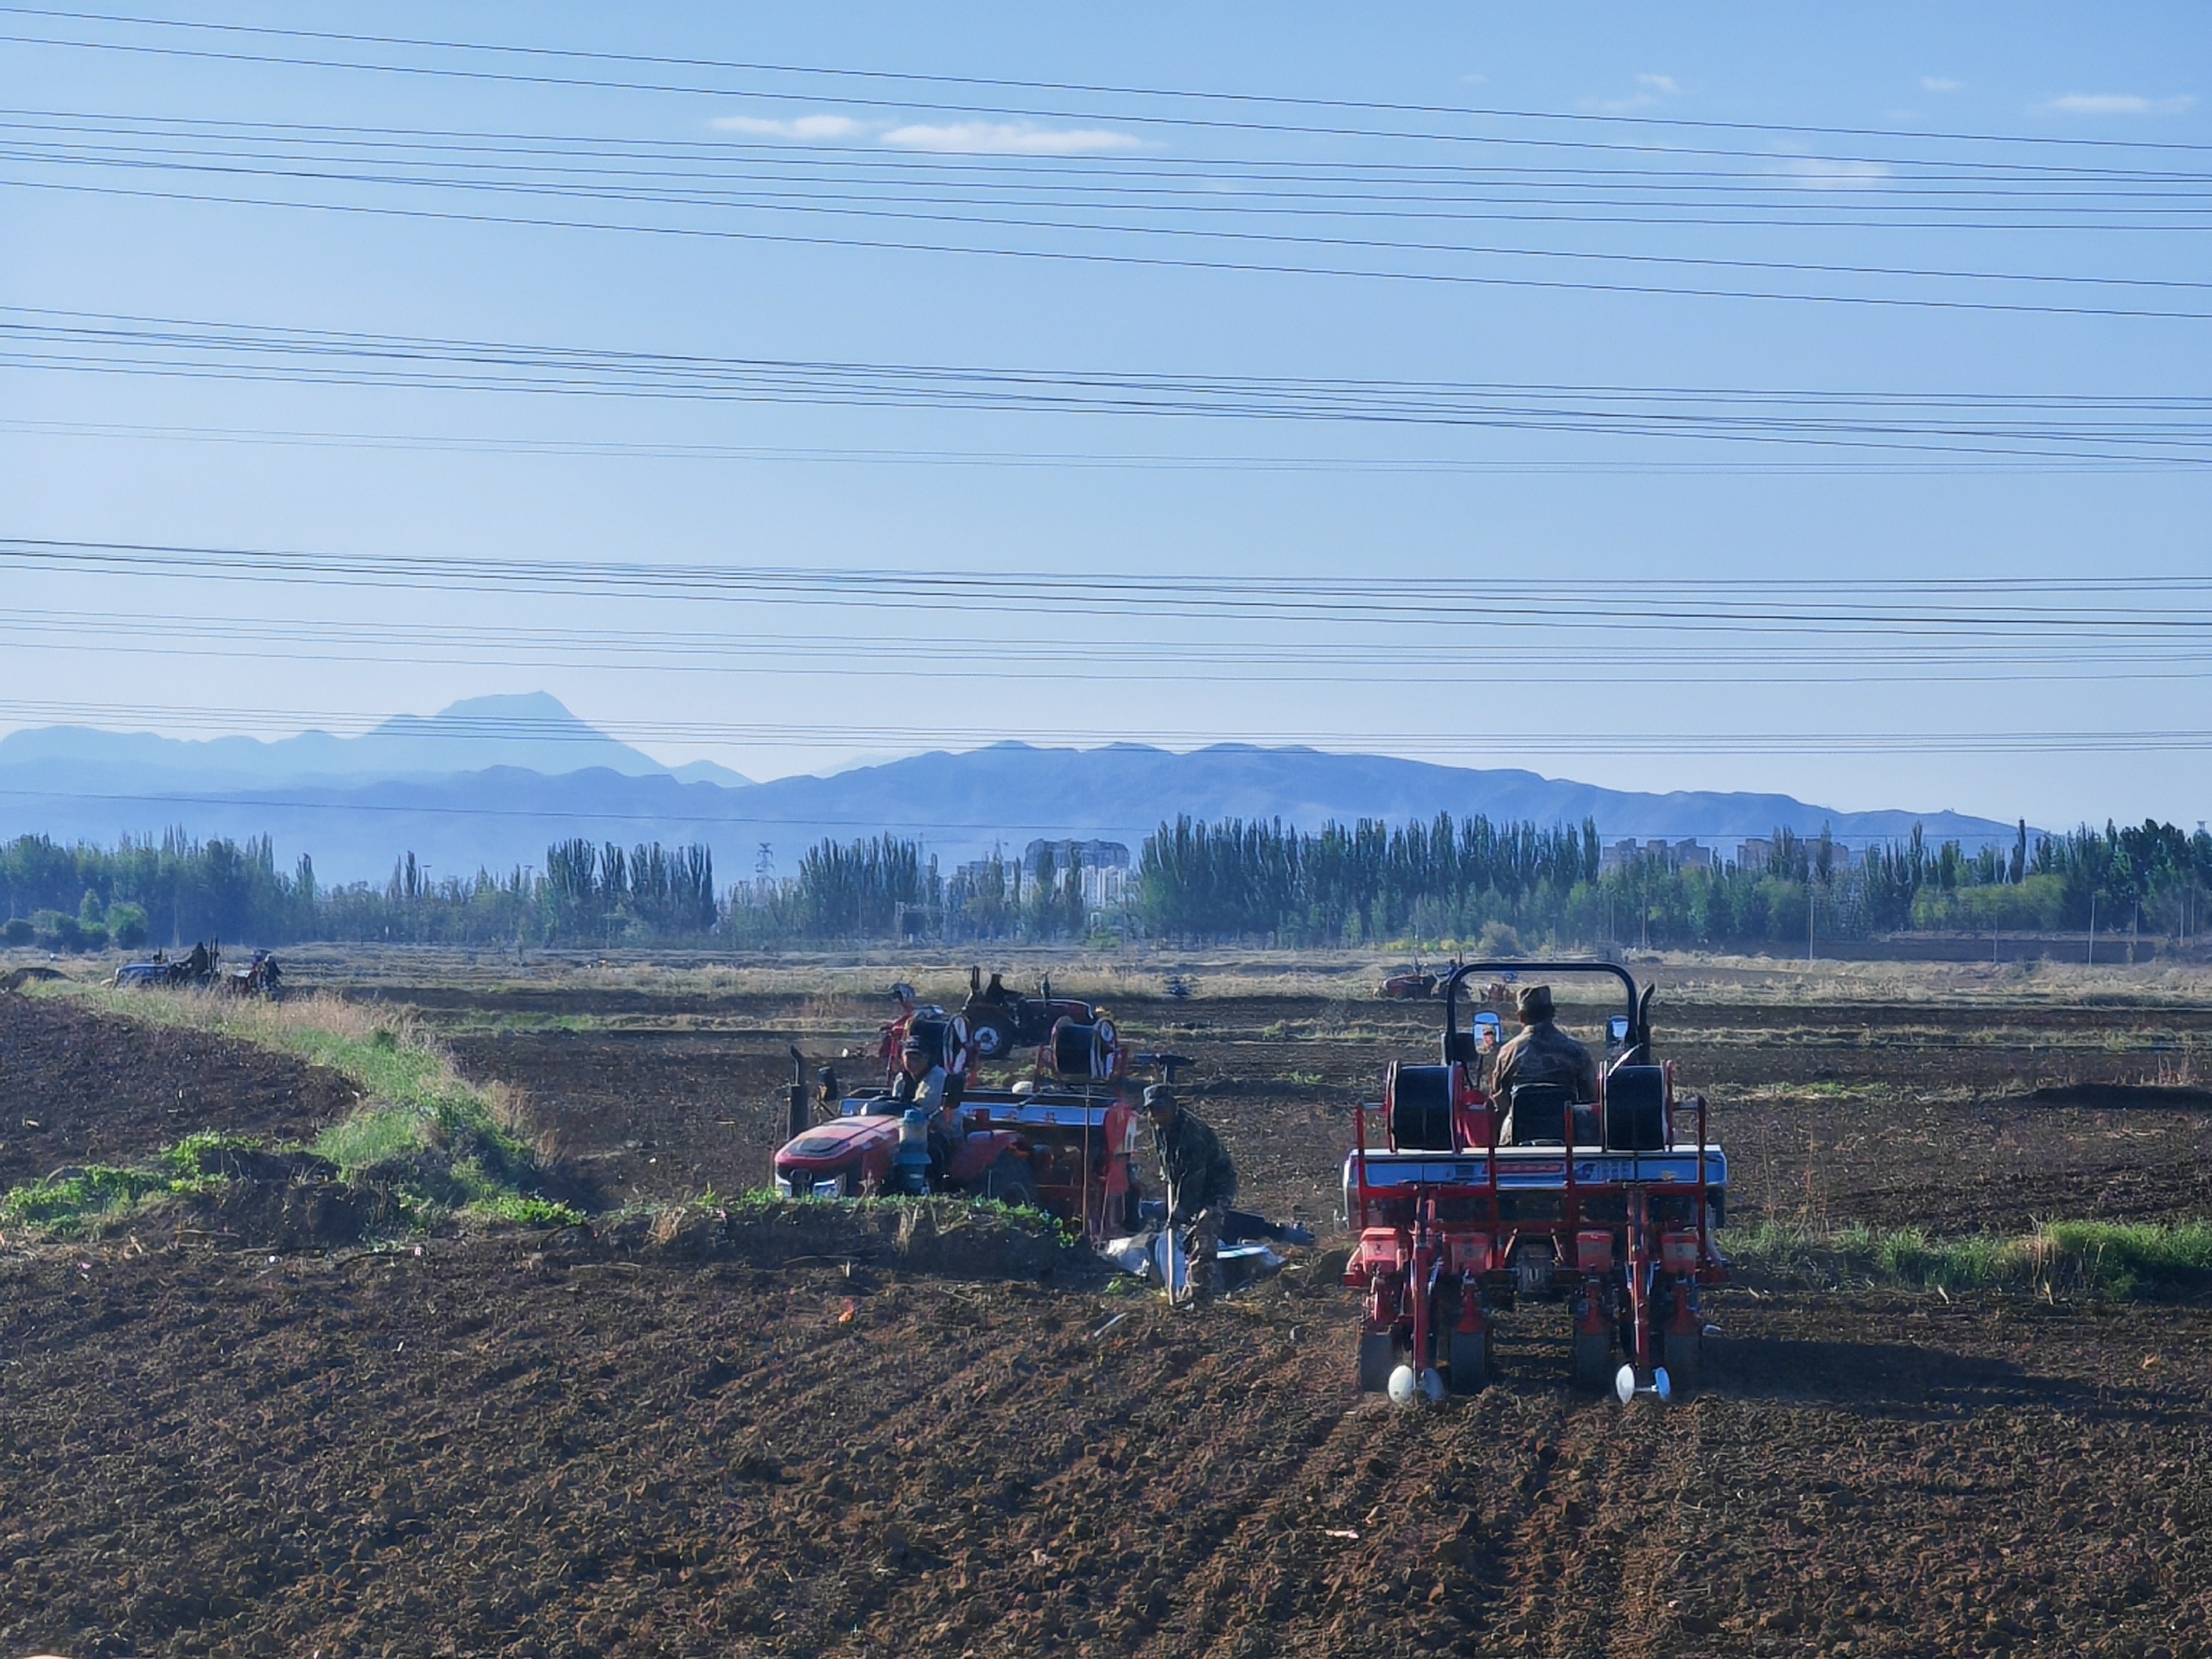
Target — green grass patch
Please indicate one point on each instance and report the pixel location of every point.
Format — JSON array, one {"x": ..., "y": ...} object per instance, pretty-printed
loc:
[
  {"x": 96, "y": 1190},
  {"x": 448, "y": 1144},
  {"x": 524, "y": 1212},
  {"x": 185, "y": 1159},
  {"x": 2092, "y": 1258}
]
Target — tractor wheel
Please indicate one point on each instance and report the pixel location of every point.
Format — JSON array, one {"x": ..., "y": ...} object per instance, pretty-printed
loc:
[
  {"x": 1378, "y": 1359},
  {"x": 1683, "y": 1353},
  {"x": 1009, "y": 1181},
  {"x": 991, "y": 1031},
  {"x": 1468, "y": 1355},
  {"x": 1593, "y": 1362}
]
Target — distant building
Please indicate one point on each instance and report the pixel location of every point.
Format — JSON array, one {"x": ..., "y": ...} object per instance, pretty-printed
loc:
[
  {"x": 1674, "y": 855},
  {"x": 1095, "y": 854},
  {"x": 1104, "y": 864}
]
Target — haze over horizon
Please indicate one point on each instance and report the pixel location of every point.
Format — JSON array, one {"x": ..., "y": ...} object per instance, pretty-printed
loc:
[{"x": 1713, "y": 401}]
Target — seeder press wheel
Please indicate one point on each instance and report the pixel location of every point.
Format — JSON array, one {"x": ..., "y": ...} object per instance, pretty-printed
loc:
[
  {"x": 1467, "y": 1353},
  {"x": 1378, "y": 1359},
  {"x": 1593, "y": 1361},
  {"x": 1683, "y": 1355}
]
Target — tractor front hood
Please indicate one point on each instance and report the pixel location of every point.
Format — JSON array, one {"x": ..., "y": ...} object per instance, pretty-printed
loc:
[{"x": 837, "y": 1141}]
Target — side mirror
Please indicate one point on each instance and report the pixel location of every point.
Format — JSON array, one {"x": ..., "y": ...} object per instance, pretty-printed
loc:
[{"x": 1617, "y": 1030}]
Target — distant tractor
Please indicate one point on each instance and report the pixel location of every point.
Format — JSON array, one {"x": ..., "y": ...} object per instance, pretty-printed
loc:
[
  {"x": 1474, "y": 1204},
  {"x": 198, "y": 966},
  {"x": 1000, "y": 1021}
]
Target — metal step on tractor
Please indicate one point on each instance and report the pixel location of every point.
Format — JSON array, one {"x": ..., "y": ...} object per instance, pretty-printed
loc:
[{"x": 1474, "y": 1204}]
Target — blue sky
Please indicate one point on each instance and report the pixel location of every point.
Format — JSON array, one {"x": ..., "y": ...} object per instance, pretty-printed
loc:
[{"x": 1267, "y": 506}]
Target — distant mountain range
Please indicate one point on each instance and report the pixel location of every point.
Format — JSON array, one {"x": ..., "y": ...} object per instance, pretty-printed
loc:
[
  {"x": 493, "y": 781},
  {"x": 534, "y": 731}
]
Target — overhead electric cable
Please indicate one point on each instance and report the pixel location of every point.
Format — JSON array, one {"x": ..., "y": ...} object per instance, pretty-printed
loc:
[
  {"x": 824, "y": 735},
  {"x": 2141, "y": 429},
  {"x": 821, "y": 204},
  {"x": 1087, "y": 88},
  {"x": 1156, "y": 262},
  {"x": 2112, "y": 655},
  {"x": 2144, "y": 607}
]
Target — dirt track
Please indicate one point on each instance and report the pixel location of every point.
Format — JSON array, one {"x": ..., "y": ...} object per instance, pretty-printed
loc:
[{"x": 515, "y": 1446}]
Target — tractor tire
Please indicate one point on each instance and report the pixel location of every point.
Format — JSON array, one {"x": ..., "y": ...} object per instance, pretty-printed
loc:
[
  {"x": 1467, "y": 1354},
  {"x": 1683, "y": 1355},
  {"x": 1010, "y": 1181},
  {"x": 991, "y": 1032},
  {"x": 1378, "y": 1359},
  {"x": 1593, "y": 1362}
]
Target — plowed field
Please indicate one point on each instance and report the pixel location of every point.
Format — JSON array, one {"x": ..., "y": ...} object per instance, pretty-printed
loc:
[{"x": 543, "y": 1446}]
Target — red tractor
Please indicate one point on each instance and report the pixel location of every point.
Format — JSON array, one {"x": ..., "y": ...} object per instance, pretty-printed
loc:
[
  {"x": 1064, "y": 1141},
  {"x": 1414, "y": 985},
  {"x": 1474, "y": 1204},
  {"x": 1000, "y": 1021}
]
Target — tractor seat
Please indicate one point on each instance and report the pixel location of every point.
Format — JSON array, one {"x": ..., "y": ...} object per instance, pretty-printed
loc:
[{"x": 1537, "y": 1117}]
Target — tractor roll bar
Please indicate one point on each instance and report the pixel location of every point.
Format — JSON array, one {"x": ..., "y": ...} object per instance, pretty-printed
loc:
[{"x": 1639, "y": 1009}]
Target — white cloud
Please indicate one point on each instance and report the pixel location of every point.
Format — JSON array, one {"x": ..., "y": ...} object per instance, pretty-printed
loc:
[
  {"x": 1939, "y": 84},
  {"x": 1655, "y": 89},
  {"x": 1009, "y": 138},
  {"x": 811, "y": 128},
  {"x": 1817, "y": 173},
  {"x": 2116, "y": 103}
]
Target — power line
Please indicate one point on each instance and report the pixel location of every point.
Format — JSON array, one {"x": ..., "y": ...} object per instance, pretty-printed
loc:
[
  {"x": 2115, "y": 657},
  {"x": 1155, "y": 183},
  {"x": 2142, "y": 427},
  {"x": 482, "y": 443},
  {"x": 2088, "y": 607},
  {"x": 1769, "y": 170},
  {"x": 1093, "y": 89},
  {"x": 1094, "y": 258},
  {"x": 818, "y": 205},
  {"x": 817, "y": 735}
]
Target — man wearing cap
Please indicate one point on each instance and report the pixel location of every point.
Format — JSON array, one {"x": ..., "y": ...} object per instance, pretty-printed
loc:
[
  {"x": 1201, "y": 1182},
  {"x": 1542, "y": 1052}
]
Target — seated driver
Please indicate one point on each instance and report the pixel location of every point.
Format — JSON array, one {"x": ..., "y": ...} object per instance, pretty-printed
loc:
[
  {"x": 937, "y": 1081},
  {"x": 1543, "y": 1053}
]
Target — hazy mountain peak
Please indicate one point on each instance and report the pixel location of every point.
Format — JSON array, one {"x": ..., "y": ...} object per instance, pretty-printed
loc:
[{"x": 531, "y": 731}]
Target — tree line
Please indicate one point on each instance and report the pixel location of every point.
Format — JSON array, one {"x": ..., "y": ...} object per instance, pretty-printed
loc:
[{"x": 1467, "y": 880}]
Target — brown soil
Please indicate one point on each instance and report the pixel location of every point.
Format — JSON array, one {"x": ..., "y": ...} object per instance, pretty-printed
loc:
[
  {"x": 1894, "y": 1115},
  {"x": 78, "y": 1090},
  {"x": 702, "y": 1439},
  {"x": 490, "y": 1448}
]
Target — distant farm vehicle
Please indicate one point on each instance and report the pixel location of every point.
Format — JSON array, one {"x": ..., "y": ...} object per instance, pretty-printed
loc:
[
  {"x": 1474, "y": 1204},
  {"x": 260, "y": 977},
  {"x": 196, "y": 968},
  {"x": 1416, "y": 984},
  {"x": 1000, "y": 1021}
]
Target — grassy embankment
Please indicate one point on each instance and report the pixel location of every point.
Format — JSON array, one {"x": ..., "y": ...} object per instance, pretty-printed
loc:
[
  {"x": 2093, "y": 1258},
  {"x": 445, "y": 1146}
]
